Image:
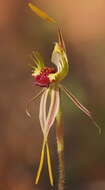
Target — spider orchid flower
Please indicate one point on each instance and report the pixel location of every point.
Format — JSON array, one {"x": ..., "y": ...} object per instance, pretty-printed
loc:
[{"x": 49, "y": 79}]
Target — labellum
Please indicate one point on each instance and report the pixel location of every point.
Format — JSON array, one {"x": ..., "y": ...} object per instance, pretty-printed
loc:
[{"x": 42, "y": 79}]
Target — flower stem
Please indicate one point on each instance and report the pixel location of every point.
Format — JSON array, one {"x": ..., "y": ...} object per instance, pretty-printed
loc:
[{"x": 60, "y": 149}]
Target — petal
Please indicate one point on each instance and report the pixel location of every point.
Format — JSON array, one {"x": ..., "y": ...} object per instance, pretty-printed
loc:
[
  {"x": 42, "y": 110},
  {"x": 41, "y": 163},
  {"x": 45, "y": 144},
  {"x": 40, "y": 13},
  {"x": 43, "y": 120},
  {"x": 53, "y": 109},
  {"x": 33, "y": 99},
  {"x": 80, "y": 106},
  {"x": 49, "y": 164}
]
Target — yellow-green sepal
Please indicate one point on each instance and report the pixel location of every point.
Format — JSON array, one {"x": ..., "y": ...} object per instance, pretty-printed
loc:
[{"x": 59, "y": 58}]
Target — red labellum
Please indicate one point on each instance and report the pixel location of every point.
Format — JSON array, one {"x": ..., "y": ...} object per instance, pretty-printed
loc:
[{"x": 42, "y": 79}]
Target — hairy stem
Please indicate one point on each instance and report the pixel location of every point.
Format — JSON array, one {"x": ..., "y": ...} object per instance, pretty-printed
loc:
[{"x": 60, "y": 149}]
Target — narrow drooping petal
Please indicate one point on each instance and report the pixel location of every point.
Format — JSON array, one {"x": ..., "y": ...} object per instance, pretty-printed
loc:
[
  {"x": 53, "y": 109},
  {"x": 49, "y": 164},
  {"x": 45, "y": 144},
  {"x": 42, "y": 118},
  {"x": 80, "y": 106},
  {"x": 40, "y": 13},
  {"x": 46, "y": 123},
  {"x": 33, "y": 99},
  {"x": 41, "y": 163},
  {"x": 42, "y": 110}
]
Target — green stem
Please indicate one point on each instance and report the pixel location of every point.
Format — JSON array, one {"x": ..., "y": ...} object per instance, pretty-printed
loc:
[{"x": 60, "y": 149}]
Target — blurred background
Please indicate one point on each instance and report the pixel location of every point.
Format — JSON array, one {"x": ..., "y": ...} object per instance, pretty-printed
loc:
[{"x": 21, "y": 32}]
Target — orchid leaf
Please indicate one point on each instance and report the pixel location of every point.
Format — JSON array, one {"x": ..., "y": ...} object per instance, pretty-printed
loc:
[
  {"x": 80, "y": 106},
  {"x": 41, "y": 13}
]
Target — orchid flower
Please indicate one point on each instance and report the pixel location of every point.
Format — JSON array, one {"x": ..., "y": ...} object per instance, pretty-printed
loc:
[{"x": 49, "y": 79}]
